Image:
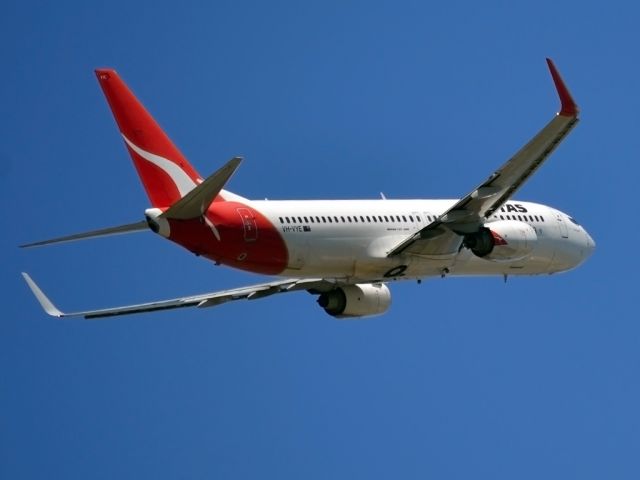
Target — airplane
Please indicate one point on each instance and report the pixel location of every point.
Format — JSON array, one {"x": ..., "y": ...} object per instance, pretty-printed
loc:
[{"x": 345, "y": 252}]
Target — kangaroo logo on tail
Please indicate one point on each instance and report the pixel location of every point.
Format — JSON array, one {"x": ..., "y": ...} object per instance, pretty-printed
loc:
[{"x": 165, "y": 173}]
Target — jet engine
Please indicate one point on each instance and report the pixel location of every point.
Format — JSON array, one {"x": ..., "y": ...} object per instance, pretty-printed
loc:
[
  {"x": 502, "y": 241},
  {"x": 360, "y": 300}
]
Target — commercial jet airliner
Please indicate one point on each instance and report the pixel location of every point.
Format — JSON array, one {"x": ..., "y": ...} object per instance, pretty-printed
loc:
[{"x": 345, "y": 252}]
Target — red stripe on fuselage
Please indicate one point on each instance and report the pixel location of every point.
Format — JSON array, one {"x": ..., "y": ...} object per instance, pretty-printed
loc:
[{"x": 248, "y": 240}]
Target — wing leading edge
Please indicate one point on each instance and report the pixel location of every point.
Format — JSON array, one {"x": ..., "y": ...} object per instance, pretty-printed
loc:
[
  {"x": 212, "y": 299},
  {"x": 444, "y": 235}
]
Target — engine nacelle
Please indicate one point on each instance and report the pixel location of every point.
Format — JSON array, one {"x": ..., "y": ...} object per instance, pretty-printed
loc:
[
  {"x": 360, "y": 300},
  {"x": 502, "y": 241}
]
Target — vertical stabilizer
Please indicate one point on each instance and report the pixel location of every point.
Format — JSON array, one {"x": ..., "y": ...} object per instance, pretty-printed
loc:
[{"x": 166, "y": 174}]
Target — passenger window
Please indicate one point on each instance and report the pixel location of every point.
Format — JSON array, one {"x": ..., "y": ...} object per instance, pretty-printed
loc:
[
  {"x": 281, "y": 221},
  {"x": 305, "y": 220},
  {"x": 324, "y": 220},
  {"x": 410, "y": 218},
  {"x": 343, "y": 220},
  {"x": 404, "y": 219}
]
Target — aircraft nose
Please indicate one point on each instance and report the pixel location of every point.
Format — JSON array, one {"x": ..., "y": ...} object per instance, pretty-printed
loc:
[{"x": 591, "y": 245}]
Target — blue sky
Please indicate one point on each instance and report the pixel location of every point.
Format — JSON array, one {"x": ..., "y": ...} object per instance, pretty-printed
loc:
[{"x": 462, "y": 378}]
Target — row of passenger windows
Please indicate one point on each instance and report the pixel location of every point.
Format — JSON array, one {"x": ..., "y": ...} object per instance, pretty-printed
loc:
[
  {"x": 389, "y": 218},
  {"x": 522, "y": 218},
  {"x": 355, "y": 219}
]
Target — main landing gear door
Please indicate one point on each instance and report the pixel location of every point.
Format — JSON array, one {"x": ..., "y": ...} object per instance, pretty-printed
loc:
[{"x": 249, "y": 224}]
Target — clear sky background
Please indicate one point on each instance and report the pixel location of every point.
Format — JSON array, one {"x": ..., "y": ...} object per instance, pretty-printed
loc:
[{"x": 463, "y": 378}]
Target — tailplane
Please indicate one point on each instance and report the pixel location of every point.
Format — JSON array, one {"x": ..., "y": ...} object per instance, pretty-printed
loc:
[
  {"x": 197, "y": 201},
  {"x": 103, "y": 232},
  {"x": 165, "y": 173}
]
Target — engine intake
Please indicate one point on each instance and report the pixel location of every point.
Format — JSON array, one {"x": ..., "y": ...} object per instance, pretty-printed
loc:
[
  {"x": 354, "y": 301},
  {"x": 502, "y": 241}
]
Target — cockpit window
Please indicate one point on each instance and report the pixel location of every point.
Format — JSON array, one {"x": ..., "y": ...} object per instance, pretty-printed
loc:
[{"x": 573, "y": 220}]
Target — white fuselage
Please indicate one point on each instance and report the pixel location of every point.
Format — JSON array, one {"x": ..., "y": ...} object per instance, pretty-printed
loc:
[{"x": 351, "y": 238}]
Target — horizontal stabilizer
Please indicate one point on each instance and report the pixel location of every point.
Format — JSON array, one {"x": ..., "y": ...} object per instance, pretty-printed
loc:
[
  {"x": 196, "y": 202},
  {"x": 104, "y": 232}
]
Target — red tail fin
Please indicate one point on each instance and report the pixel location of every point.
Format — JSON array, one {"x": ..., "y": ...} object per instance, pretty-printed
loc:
[{"x": 166, "y": 174}]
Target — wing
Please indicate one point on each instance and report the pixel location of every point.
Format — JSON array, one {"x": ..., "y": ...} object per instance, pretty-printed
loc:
[
  {"x": 444, "y": 235},
  {"x": 252, "y": 292}
]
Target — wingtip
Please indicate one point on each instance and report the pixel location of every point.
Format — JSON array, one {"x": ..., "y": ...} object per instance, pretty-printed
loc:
[
  {"x": 568, "y": 106},
  {"x": 44, "y": 301}
]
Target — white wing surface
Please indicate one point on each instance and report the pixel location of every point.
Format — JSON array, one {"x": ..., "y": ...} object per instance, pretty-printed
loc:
[{"x": 252, "y": 292}]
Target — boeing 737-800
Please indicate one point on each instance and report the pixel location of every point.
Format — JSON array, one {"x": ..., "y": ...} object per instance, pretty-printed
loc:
[{"x": 344, "y": 252}]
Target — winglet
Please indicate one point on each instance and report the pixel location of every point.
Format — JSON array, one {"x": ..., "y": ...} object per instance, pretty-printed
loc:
[
  {"x": 568, "y": 106},
  {"x": 46, "y": 304}
]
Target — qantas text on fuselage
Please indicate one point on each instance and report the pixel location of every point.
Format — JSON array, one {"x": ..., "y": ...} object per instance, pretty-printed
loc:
[{"x": 344, "y": 252}]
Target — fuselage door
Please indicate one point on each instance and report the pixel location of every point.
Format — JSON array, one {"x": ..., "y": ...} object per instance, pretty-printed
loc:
[
  {"x": 562, "y": 226},
  {"x": 249, "y": 224}
]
